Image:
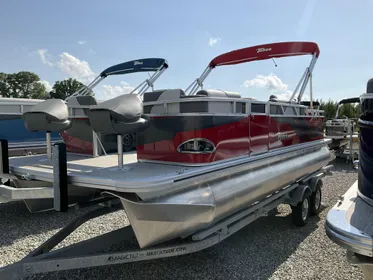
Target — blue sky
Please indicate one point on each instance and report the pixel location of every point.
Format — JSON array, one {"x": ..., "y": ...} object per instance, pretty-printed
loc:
[{"x": 78, "y": 39}]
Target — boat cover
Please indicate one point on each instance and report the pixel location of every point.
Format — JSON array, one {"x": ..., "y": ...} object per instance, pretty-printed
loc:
[{"x": 50, "y": 115}]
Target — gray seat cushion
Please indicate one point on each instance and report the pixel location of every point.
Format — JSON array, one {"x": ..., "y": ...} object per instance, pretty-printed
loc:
[
  {"x": 50, "y": 115},
  {"x": 122, "y": 114}
]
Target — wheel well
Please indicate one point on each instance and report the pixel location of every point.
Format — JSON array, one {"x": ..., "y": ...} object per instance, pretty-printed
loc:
[
  {"x": 314, "y": 182},
  {"x": 298, "y": 193}
]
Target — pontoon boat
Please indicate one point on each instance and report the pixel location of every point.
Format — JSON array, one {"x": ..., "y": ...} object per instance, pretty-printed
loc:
[
  {"x": 78, "y": 137},
  {"x": 202, "y": 155},
  {"x": 340, "y": 130},
  {"x": 68, "y": 118},
  {"x": 208, "y": 163},
  {"x": 349, "y": 222}
]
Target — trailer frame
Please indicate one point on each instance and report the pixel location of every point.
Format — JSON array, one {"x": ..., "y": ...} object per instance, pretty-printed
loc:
[{"x": 84, "y": 254}]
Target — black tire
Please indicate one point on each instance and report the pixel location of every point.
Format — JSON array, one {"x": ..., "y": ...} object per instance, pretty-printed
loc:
[
  {"x": 299, "y": 216},
  {"x": 127, "y": 142},
  {"x": 316, "y": 198}
]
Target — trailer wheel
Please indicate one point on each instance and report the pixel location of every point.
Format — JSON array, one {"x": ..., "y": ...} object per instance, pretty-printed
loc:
[
  {"x": 316, "y": 199},
  {"x": 301, "y": 212}
]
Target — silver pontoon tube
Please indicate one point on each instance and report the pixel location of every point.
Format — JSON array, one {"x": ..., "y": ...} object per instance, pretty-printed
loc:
[{"x": 184, "y": 213}]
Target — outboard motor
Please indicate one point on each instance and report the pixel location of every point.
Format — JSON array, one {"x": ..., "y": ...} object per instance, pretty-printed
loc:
[{"x": 365, "y": 173}]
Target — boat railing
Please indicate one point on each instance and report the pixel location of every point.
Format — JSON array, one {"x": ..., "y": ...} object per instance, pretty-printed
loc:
[
  {"x": 168, "y": 106},
  {"x": 17, "y": 106}
]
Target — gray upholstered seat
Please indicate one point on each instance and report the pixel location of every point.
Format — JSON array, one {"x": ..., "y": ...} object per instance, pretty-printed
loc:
[
  {"x": 50, "y": 115},
  {"x": 120, "y": 115}
]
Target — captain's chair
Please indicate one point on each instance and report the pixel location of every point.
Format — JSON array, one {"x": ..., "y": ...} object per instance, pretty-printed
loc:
[
  {"x": 50, "y": 115},
  {"x": 120, "y": 115}
]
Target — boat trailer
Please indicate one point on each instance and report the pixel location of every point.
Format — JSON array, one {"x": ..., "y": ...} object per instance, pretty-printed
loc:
[{"x": 304, "y": 197}]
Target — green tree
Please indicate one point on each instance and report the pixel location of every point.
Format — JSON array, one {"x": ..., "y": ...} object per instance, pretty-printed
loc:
[
  {"x": 330, "y": 108},
  {"x": 65, "y": 88},
  {"x": 21, "y": 85}
]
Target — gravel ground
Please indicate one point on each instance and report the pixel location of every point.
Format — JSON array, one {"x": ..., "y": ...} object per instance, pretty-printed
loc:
[{"x": 270, "y": 248}]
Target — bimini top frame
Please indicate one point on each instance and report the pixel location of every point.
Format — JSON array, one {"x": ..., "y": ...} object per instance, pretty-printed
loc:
[
  {"x": 262, "y": 52},
  {"x": 346, "y": 101},
  {"x": 156, "y": 65}
]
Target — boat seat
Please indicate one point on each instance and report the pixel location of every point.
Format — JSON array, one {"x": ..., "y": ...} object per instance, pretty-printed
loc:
[
  {"x": 120, "y": 115},
  {"x": 50, "y": 115}
]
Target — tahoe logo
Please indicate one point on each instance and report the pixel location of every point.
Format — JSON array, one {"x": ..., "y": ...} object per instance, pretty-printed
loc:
[
  {"x": 138, "y": 63},
  {"x": 259, "y": 50},
  {"x": 282, "y": 136}
]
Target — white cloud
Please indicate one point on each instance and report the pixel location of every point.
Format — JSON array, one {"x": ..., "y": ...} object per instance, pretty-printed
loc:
[
  {"x": 47, "y": 85},
  {"x": 272, "y": 83},
  {"x": 71, "y": 65},
  {"x": 75, "y": 68},
  {"x": 113, "y": 91},
  {"x": 275, "y": 86},
  {"x": 43, "y": 56},
  {"x": 82, "y": 42},
  {"x": 81, "y": 71},
  {"x": 213, "y": 41},
  {"x": 91, "y": 51}
]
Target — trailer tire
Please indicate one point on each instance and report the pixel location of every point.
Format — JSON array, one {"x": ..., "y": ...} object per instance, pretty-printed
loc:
[
  {"x": 301, "y": 212},
  {"x": 316, "y": 197},
  {"x": 127, "y": 142}
]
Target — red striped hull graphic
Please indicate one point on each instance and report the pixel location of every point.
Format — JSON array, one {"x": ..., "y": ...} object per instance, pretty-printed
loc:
[
  {"x": 252, "y": 134},
  {"x": 232, "y": 136}
]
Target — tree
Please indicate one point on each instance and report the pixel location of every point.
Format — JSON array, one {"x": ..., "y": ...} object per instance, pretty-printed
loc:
[
  {"x": 330, "y": 108},
  {"x": 65, "y": 88},
  {"x": 21, "y": 85}
]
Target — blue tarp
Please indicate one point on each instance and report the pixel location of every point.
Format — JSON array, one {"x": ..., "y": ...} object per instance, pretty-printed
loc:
[{"x": 139, "y": 65}]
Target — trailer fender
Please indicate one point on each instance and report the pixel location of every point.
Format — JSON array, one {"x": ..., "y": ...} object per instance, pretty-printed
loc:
[
  {"x": 297, "y": 194},
  {"x": 312, "y": 183}
]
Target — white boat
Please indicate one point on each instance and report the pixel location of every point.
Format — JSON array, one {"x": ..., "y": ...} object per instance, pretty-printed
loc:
[{"x": 349, "y": 222}]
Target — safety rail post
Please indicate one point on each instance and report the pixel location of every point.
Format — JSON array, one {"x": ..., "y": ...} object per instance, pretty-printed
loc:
[
  {"x": 120, "y": 150},
  {"x": 4, "y": 157},
  {"x": 59, "y": 157},
  {"x": 351, "y": 135}
]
